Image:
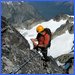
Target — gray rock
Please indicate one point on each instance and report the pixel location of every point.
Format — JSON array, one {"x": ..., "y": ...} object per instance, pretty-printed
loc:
[
  {"x": 65, "y": 57},
  {"x": 13, "y": 46},
  {"x": 71, "y": 19},
  {"x": 61, "y": 30},
  {"x": 60, "y": 16}
]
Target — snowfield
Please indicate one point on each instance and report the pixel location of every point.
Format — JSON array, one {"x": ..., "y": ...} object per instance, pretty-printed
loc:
[{"x": 60, "y": 45}]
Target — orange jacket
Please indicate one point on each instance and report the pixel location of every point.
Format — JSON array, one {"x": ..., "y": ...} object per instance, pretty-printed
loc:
[{"x": 43, "y": 39}]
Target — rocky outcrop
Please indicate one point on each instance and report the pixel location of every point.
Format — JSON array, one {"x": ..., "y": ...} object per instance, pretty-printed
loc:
[
  {"x": 13, "y": 47},
  {"x": 63, "y": 17},
  {"x": 69, "y": 25},
  {"x": 65, "y": 57},
  {"x": 68, "y": 61},
  {"x": 60, "y": 17}
]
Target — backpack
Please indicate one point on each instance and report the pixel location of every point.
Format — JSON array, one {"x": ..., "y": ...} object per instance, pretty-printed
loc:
[{"x": 48, "y": 31}]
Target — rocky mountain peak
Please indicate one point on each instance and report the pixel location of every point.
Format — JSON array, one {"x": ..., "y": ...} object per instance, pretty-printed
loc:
[{"x": 19, "y": 13}]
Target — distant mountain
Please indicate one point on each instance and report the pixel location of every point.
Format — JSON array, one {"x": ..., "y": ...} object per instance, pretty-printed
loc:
[
  {"x": 51, "y": 9},
  {"x": 25, "y": 14},
  {"x": 20, "y": 13}
]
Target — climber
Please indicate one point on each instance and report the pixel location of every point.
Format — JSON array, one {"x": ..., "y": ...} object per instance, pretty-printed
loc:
[{"x": 44, "y": 40}]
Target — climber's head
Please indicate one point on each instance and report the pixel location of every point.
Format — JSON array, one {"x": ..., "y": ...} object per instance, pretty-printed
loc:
[{"x": 39, "y": 28}]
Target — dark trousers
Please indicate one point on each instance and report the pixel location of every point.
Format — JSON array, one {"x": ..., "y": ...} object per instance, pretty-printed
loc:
[{"x": 44, "y": 52}]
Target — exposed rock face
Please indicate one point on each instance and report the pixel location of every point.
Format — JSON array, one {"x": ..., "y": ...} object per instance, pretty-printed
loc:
[
  {"x": 36, "y": 65},
  {"x": 20, "y": 14},
  {"x": 67, "y": 59},
  {"x": 69, "y": 25},
  {"x": 13, "y": 47},
  {"x": 61, "y": 16}
]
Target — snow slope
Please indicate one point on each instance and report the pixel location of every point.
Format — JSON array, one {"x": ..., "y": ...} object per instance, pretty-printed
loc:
[{"x": 60, "y": 45}]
